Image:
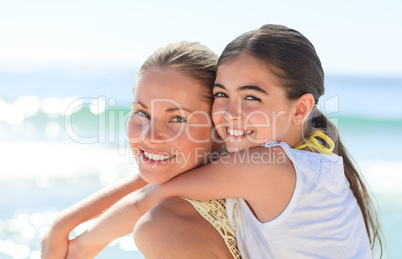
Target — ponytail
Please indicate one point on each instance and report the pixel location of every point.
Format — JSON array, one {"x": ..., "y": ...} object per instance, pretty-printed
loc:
[
  {"x": 318, "y": 121},
  {"x": 292, "y": 58}
]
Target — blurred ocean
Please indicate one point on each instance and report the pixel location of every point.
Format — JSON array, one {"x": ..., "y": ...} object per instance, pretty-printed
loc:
[{"x": 62, "y": 137}]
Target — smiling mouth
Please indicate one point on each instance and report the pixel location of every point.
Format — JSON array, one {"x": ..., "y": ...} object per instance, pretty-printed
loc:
[
  {"x": 238, "y": 133},
  {"x": 157, "y": 157}
]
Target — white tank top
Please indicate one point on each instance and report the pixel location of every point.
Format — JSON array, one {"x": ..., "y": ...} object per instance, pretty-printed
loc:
[{"x": 322, "y": 219}]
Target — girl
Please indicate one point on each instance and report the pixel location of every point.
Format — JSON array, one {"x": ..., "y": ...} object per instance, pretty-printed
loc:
[
  {"x": 169, "y": 132},
  {"x": 291, "y": 188}
]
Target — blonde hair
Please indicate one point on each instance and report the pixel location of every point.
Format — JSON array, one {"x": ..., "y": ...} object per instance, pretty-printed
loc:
[{"x": 190, "y": 58}]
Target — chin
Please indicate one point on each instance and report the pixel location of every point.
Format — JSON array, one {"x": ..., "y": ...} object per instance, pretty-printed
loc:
[
  {"x": 232, "y": 149},
  {"x": 153, "y": 179}
]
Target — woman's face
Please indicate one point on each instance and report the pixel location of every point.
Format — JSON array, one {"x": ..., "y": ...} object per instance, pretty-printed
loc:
[
  {"x": 169, "y": 128},
  {"x": 250, "y": 108}
]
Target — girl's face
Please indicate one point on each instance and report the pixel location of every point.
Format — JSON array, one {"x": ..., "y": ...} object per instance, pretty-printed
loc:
[
  {"x": 169, "y": 128},
  {"x": 250, "y": 108}
]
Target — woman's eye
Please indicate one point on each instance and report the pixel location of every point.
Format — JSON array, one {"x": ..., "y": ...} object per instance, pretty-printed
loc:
[
  {"x": 179, "y": 119},
  {"x": 140, "y": 113},
  {"x": 252, "y": 98},
  {"x": 220, "y": 95}
]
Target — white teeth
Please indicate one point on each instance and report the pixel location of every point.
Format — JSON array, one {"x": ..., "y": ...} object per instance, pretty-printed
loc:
[
  {"x": 235, "y": 132},
  {"x": 156, "y": 157}
]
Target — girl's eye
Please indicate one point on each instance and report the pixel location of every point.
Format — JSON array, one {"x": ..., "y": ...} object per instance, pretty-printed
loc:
[
  {"x": 179, "y": 119},
  {"x": 220, "y": 95},
  {"x": 140, "y": 113},
  {"x": 252, "y": 98}
]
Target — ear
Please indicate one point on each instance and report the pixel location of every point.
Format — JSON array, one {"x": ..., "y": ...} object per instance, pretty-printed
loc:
[{"x": 304, "y": 105}]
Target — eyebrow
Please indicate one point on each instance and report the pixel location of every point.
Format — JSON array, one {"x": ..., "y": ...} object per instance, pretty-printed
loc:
[
  {"x": 253, "y": 88},
  {"x": 245, "y": 88},
  {"x": 167, "y": 110},
  {"x": 219, "y": 86},
  {"x": 178, "y": 109},
  {"x": 140, "y": 103}
]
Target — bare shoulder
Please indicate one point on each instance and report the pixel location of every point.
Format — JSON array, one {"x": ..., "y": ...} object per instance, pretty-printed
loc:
[
  {"x": 174, "y": 229},
  {"x": 175, "y": 206},
  {"x": 162, "y": 215}
]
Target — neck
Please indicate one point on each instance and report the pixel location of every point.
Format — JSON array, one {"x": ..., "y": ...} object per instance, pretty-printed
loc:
[{"x": 295, "y": 137}]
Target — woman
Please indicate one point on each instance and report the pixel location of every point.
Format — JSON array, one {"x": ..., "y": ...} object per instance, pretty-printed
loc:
[
  {"x": 296, "y": 192},
  {"x": 169, "y": 131}
]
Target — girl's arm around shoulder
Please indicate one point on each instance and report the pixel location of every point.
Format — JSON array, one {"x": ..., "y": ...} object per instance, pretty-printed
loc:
[
  {"x": 264, "y": 177},
  {"x": 94, "y": 205},
  {"x": 117, "y": 221},
  {"x": 55, "y": 241}
]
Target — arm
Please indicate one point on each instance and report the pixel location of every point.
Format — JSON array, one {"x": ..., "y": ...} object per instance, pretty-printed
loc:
[
  {"x": 264, "y": 177},
  {"x": 54, "y": 243},
  {"x": 116, "y": 222},
  {"x": 256, "y": 181}
]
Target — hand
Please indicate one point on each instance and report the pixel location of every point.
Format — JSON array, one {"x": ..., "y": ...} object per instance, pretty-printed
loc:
[
  {"x": 54, "y": 244},
  {"x": 77, "y": 250},
  {"x": 73, "y": 252}
]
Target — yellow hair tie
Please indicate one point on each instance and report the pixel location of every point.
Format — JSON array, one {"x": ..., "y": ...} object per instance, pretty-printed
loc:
[{"x": 312, "y": 143}]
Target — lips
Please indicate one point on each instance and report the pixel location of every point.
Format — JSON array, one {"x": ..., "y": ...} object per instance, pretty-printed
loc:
[
  {"x": 156, "y": 157},
  {"x": 238, "y": 132}
]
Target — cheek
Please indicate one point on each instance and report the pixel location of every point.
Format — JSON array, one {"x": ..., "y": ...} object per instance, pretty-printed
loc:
[
  {"x": 258, "y": 118},
  {"x": 258, "y": 121},
  {"x": 195, "y": 138},
  {"x": 184, "y": 150},
  {"x": 265, "y": 119},
  {"x": 280, "y": 118},
  {"x": 199, "y": 133},
  {"x": 218, "y": 111},
  {"x": 194, "y": 144},
  {"x": 135, "y": 128}
]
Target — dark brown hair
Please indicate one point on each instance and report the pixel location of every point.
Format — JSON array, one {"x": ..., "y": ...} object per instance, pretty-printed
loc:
[{"x": 294, "y": 61}]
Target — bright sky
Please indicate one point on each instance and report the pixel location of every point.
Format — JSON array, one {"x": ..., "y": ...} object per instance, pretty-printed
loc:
[{"x": 351, "y": 37}]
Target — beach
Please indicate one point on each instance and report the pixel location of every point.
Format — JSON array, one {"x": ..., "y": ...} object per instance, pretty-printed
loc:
[{"x": 63, "y": 145}]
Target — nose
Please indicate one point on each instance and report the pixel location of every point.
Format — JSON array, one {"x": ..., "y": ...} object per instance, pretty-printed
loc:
[
  {"x": 155, "y": 132},
  {"x": 233, "y": 110}
]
